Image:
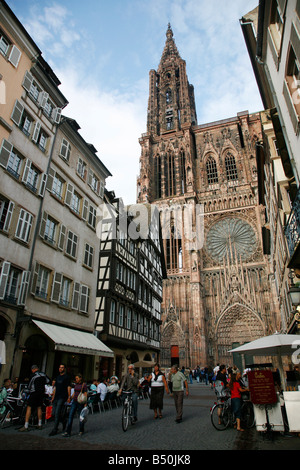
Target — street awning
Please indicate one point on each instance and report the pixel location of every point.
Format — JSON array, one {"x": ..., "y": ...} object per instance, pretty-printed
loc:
[{"x": 69, "y": 340}]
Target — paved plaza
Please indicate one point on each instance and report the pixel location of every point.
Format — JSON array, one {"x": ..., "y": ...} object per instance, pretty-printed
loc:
[{"x": 195, "y": 433}]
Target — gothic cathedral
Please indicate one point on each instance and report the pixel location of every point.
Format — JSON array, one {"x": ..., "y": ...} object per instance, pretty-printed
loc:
[{"x": 204, "y": 177}]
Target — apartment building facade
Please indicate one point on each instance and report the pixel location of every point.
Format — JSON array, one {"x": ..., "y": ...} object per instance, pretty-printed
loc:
[
  {"x": 51, "y": 184},
  {"x": 272, "y": 35}
]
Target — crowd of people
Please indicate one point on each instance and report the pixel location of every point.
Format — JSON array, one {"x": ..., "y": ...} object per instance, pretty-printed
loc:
[{"x": 76, "y": 395}]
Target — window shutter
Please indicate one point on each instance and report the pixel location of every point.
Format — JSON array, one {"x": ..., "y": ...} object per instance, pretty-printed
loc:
[
  {"x": 70, "y": 190},
  {"x": 8, "y": 216},
  {"x": 35, "y": 278},
  {"x": 50, "y": 179},
  {"x": 43, "y": 98},
  {"x": 36, "y": 132},
  {"x": 56, "y": 115},
  {"x": 24, "y": 287},
  {"x": 5, "y": 152},
  {"x": 27, "y": 82},
  {"x": 76, "y": 294},
  {"x": 17, "y": 112},
  {"x": 62, "y": 237},
  {"x": 14, "y": 56},
  {"x": 90, "y": 177},
  {"x": 84, "y": 296},
  {"x": 43, "y": 224},
  {"x": 26, "y": 170},
  {"x": 3, "y": 278},
  {"x": 85, "y": 209},
  {"x": 56, "y": 287},
  {"x": 101, "y": 192},
  {"x": 43, "y": 184}
]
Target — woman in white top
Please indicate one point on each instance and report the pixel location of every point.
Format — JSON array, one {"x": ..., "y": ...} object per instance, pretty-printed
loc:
[{"x": 158, "y": 385}]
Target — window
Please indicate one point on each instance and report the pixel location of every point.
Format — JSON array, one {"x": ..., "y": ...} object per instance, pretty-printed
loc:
[
  {"x": 4, "y": 44},
  {"x": 72, "y": 241},
  {"x": 112, "y": 313},
  {"x": 50, "y": 230},
  {"x": 92, "y": 217},
  {"x": 129, "y": 317},
  {"x": 14, "y": 164},
  {"x": 6, "y": 210},
  {"x": 13, "y": 281},
  {"x": 24, "y": 226},
  {"x": 57, "y": 186},
  {"x": 81, "y": 168},
  {"x": 84, "y": 299},
  {"x": 88, "y": 255},
  {"x": 40, "y": 138},
  {"x": 230, "y": 165},
  {"x": 75, "y": 202},
  {"x": 13, "y": 284},
  {"x": 32, "y": 178},
  {"x": 276, "y": 25},
  {"x": 65, "y": 150},
  {"x": 42, "y": 283},
  {"x": 121, "y": 315},
  {"x": 291, "y": 87},
  {"x": 35, "y": 91},
  {"x": 211, "y": 171},
  {"x": 65, "y": 292}
]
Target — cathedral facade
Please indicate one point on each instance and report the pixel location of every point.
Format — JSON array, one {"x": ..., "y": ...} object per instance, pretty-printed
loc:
[{"x": 203, "y": 179}]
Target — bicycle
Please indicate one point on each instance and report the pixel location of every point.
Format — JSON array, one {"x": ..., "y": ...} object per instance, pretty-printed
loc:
[
  {"x": 14, "y": 412},
  {"x": 221, "y": 413},
  {"x": 127, "y": 411}
]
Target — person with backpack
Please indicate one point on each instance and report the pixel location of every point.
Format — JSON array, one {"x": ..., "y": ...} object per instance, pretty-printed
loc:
[{"x": 36, "y": 389}]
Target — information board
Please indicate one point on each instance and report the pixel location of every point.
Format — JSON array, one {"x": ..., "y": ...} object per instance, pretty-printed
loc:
[{"x": 262, "y": 388}]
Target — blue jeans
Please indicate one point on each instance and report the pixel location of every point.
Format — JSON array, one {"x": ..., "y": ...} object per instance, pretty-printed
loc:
[
  {"x": 75, "y": 406},
  {"x": 134, "y": 403},
  {"x": 58, "y": 406}
]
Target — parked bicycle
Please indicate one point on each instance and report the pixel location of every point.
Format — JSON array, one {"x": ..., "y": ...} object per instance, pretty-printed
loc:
[
  {"x": 127, "y": 414},
  {"x": 15, "y": 409},
  {"x": 221, "y": 413}
]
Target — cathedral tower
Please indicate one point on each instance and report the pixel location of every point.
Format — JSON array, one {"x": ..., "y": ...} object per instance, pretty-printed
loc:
[{"x": 203, "y": 179}]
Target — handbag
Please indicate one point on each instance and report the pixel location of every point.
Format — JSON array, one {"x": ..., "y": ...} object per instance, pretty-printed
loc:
[
  {"x": 49, "y": 412},
  {"x": 82, "y": 398}
]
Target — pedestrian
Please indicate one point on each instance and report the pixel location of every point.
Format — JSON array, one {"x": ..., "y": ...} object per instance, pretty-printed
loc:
[
  {"x": 158, "y": 385},
  {"x": 36, "y": 390},
  {"x": 61, "y": 395},
  {"x": 130, "y": 383},
  {"x": 80, "y": 388},
  {"x": 236, "y": 398},
  {"x": 3, "y": 395},
  {"x": 178, "y": 383}
]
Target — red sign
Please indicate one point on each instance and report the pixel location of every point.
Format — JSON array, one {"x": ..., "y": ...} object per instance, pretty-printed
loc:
[{"x": 262, "y": 388}]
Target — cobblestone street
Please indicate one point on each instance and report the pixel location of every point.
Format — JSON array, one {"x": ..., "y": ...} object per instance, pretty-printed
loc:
[{"x": 104, "y": 431}]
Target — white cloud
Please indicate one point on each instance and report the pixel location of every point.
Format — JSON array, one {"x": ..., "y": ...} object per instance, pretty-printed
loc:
[{"x": 111, "y": 122}]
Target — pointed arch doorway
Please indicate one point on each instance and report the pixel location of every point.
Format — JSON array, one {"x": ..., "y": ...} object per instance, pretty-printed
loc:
[{"x": 174, "y": 355}]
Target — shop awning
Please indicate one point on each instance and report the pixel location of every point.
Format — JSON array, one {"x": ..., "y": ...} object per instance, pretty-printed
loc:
[{"x": 69, "y": 340}]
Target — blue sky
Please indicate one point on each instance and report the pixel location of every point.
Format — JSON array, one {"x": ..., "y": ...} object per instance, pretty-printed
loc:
[{"x": 102, "y": 52}]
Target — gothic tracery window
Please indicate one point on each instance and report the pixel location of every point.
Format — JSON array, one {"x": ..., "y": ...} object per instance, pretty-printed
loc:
[
  {"x": 231, "y": 169},
  {"x": 211, "y": 171}
]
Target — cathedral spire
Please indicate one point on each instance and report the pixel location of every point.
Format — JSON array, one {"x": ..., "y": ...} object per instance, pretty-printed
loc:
[{"x": 170, "y": 51}]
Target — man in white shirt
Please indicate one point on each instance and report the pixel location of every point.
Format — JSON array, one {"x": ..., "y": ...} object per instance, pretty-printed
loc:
[{"x": 102, "y": 389}]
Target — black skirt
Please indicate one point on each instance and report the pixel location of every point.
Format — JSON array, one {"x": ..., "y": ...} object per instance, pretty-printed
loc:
[{"x": 156, "y": 398}]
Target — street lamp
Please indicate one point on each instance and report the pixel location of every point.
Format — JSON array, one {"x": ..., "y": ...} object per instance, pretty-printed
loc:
[{"x": 294, "y": 293}]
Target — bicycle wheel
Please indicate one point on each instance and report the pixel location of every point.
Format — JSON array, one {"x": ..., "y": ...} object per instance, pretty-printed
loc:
[
  {"x": 247, "y": 415},
  {"x": 220, "y": 417},
  {"x": 125, "y": 417}
]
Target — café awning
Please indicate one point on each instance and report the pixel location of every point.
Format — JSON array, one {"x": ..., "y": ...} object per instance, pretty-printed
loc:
[{"x": 70, "y": 340}]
